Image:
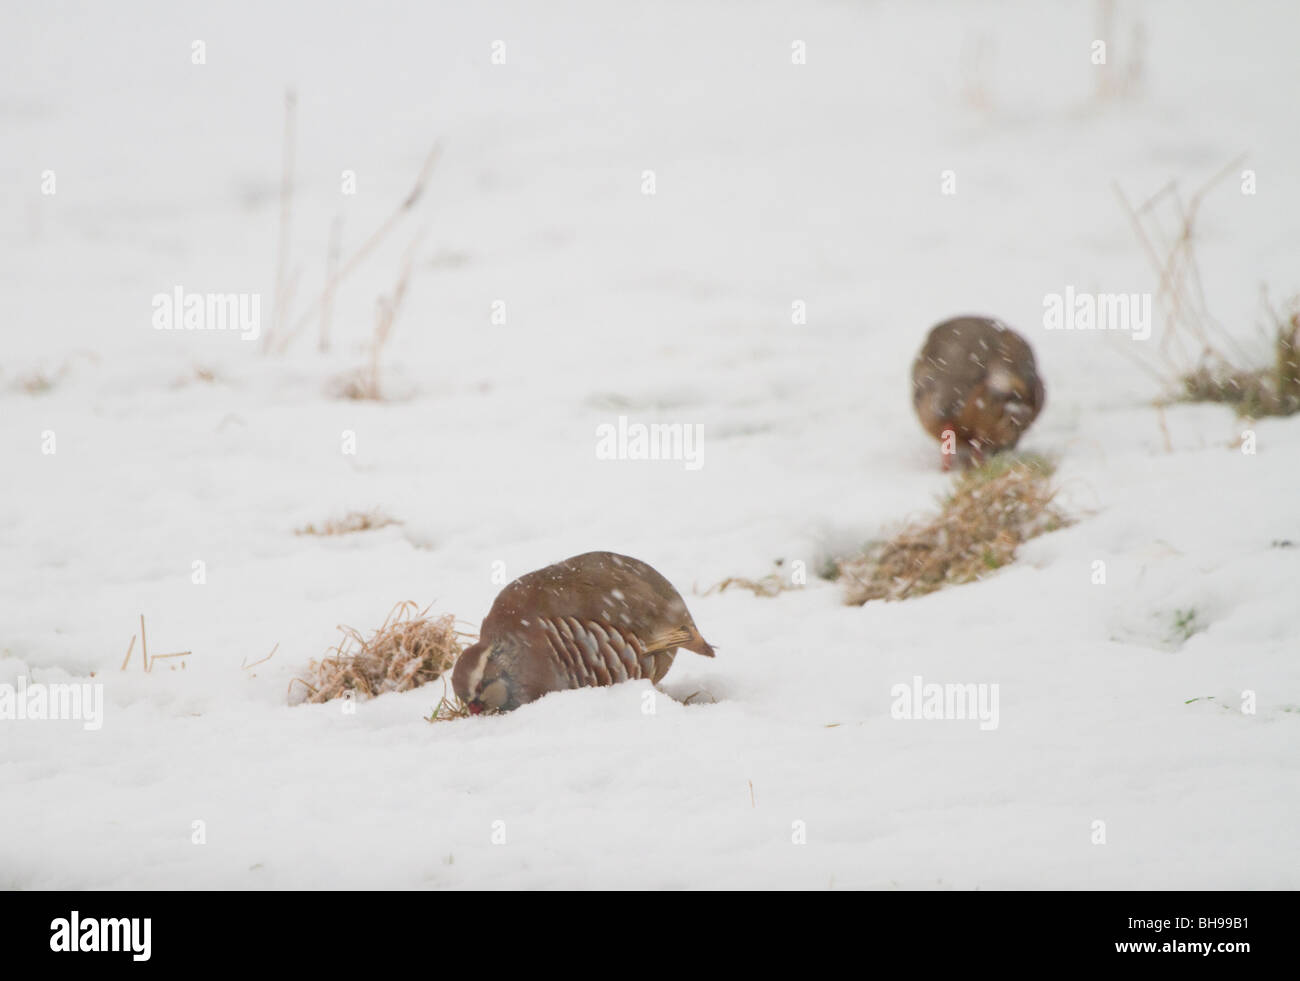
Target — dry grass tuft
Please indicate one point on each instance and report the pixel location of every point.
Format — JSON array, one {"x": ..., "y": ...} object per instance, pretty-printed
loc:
[
  {"x": 37, "y": 382},
  {"x": 773, "y": 584},
  {"x": 44, "y": 378},
  {"x": 355, "y": 385},
  {"x": 992, "y": 509},
  {"x": 1269, "y": 391},
  {"x": 351, "y": 522},
  {"x": 409, "y": 650},
  {"x": 448, "y": 709},
  {"x": 1197, "y": 358},
  {"x": 770, "y": 585}
]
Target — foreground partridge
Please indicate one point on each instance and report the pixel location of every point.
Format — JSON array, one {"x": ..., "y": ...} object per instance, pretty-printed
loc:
[
  {"x": 594, "y": 619},
  {"x": 975, "y": 378}
]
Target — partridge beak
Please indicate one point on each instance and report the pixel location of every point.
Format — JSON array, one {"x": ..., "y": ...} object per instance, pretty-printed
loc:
[{"x": 475, "y": 708}]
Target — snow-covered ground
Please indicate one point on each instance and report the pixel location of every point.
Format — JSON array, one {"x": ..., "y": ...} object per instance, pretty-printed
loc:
[{"x": 774, "y": 183}]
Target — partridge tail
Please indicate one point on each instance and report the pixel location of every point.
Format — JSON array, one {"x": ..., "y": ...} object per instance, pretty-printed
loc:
[
  {"x": 701, "y": 646},
  {"x": 687, "y": 637}
]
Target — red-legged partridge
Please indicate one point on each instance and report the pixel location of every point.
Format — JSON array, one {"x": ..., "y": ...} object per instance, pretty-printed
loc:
[
  {"x": 975, "y": 387},
  {"x": 594, "y": 619}
]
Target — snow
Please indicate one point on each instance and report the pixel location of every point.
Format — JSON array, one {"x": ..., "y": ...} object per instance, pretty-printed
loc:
[{"x": 775, "y": 183}]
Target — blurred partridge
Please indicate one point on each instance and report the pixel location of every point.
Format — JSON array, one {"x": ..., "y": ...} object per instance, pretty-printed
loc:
[
  {"x": 975, "y": 378},
  {"x": 595, "y": 619}
]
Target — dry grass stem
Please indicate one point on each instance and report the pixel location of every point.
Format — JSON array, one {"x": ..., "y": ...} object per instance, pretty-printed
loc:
[
  {"x": 1164, "y": 428},
  {"x": 331, "y": 274},
  {"x": 1122, "y": 73},
  {"x": 244, "y": 666},
  {"x": 356, "y": 258},
  {"x": 365, "y": 383},
  {"x": 282, "y": 284}
]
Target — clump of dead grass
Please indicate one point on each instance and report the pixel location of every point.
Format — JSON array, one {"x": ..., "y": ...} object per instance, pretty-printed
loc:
[
  {"x": 38, "y": 381},
  {"x": 1273, "y": 390},
  {"x": 992, "y": 509},
  {"x": 1196, "y": 358},
  {"x": 351, "y": 522},
  {"x": 410, "y": 649},
  {"x": 45, "y": 378}
]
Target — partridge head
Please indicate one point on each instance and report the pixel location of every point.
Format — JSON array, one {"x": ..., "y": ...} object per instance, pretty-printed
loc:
[
  {"x": 975, "y": 387},
  {"x": 595, "y": 619}
]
